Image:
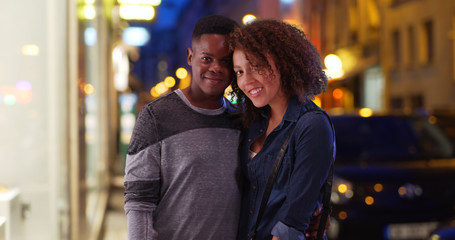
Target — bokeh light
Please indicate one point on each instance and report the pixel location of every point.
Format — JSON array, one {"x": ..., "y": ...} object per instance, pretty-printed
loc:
[
  {"x": 30, "y": 50},
  {"x": 145, "y": 2},
  {"x": 365, "y": 112},
  {"x": 89, "y": 89},
  {"x": 169, "y": 81},
  {"x": 249, "y": 18},
  {"x": 369, "y": 200},
  {"x": 24, "y": 85},
  {"x": 137, "y": 12},
  {"x": 9, "y": 99},
  {"x": 181, "y": 73}
]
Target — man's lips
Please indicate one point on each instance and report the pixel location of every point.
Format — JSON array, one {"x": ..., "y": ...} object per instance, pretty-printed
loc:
[{"x": 214, "y": 79}]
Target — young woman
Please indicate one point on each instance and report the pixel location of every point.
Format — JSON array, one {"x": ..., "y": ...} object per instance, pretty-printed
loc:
[{"x": 278, "y": 71}]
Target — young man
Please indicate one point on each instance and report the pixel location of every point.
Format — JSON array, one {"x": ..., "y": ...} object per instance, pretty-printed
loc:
[
  {"x": 182, "y": 176},
  {"x": 182, "y": 169}
]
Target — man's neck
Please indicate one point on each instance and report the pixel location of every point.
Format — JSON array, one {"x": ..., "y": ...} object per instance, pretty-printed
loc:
[{"x": 203, "y": 101}]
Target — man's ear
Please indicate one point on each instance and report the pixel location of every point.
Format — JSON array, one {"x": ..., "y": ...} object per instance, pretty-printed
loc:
[{"x": 189, "y": 55}]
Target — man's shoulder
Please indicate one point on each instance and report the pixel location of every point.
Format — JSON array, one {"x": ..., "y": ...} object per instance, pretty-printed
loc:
[{"x": 164, "y": 103}]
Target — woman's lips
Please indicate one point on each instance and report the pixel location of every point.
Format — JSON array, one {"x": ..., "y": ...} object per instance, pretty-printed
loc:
[{"x": 255, "y": 91}]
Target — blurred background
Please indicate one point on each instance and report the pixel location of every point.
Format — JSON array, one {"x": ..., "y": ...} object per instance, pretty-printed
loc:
[{"x": 74, "y": 74}]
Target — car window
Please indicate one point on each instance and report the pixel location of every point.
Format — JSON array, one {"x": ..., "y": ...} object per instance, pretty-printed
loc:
[{"x": 389, "y": 138}]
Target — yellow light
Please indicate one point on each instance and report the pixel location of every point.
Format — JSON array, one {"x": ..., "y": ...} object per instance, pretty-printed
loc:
[
  {"x": 3, "y": 189},
  {"x": 337, "y": 94},
  {"x": 333, "y": 75},
  {"x": 136, "y": 12},
  {"x": 435, "y": 237},
  {"x": 365, "y": 112},
  {"x": 89, "y": 12},
  {"x": 154, "y": 93},
  {"x": 24, "y": 97},
  {"x": 333, "y": 63},
  {"x": 185, "y": 82},
  {"x": 249, "y": 18},
  {"x": 169, "y": 81},
  {"x": 89, "y": 89},
  {"x": 342, "y": 215},
  {"x": 137, "y": 2},
  {"x": 181, "y": 73},
  {"x": 369, "y": 200},
  {"x": 89, "y": 2},
  {"x": 161, "y": 88},
  {"x": 432, "y": 120},
  {"x": 294, "y": 23},
  {"x": 317, "y": 101},
  {"x": 378, "y": 187},
  {"x": 30, "y": 50},
  {"x": 342, "y": 188}
]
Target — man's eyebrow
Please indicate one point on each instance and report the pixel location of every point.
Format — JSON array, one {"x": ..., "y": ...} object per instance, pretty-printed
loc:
[{"x": 208, "y": 54}]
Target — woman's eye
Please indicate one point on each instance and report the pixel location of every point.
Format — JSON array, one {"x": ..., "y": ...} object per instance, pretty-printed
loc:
[{"x": 238, "y": 73}]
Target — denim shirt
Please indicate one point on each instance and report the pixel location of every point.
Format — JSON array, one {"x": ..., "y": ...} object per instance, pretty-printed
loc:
[{"x": 298, "y": 187}]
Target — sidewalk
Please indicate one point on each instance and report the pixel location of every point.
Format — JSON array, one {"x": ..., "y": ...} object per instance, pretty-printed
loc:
[{"x": 115, "y": 222}]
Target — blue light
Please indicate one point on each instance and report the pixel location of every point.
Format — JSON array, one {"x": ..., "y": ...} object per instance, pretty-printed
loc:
[
  {"x": 287, "y": 1},
  {"x": 90, "y": 36},
  {"x": 136, "y": 36}
]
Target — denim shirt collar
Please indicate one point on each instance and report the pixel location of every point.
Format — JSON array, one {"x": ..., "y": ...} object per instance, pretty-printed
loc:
[{"x": 294, "y": 110}]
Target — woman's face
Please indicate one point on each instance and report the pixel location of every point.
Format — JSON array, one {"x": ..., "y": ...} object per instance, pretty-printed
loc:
[{"x": 262, "y": 88}]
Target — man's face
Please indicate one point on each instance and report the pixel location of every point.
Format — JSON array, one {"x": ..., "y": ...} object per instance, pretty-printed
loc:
[{"x": 211, "y": 63}]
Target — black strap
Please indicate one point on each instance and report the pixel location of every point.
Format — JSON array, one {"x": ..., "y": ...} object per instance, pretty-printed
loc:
[
  {"x": 272, "y": 177},
  {"x": 274, "y": 171}
]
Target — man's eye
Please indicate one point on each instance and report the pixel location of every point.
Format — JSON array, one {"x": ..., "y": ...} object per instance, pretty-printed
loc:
[{"x": 205, "y": 59}]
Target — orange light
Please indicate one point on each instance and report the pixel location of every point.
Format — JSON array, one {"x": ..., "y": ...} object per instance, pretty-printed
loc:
[
  {"x": 337, "y": 94},
  {"x": 342, "y": 215},
  {"x": 369, "y": 200},
  {"x": 378, "y": 187}
]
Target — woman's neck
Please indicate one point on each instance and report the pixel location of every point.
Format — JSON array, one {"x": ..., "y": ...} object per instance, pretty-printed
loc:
[{"x": 276, "y": 114}]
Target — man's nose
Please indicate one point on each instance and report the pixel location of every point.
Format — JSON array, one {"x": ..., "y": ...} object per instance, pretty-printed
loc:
[{"x": 215, "y": 67}]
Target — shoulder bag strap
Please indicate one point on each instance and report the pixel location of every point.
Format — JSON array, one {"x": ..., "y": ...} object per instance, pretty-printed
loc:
[
  {"x": 274, "y": 172},
  {"x": 272, "y": 177}
]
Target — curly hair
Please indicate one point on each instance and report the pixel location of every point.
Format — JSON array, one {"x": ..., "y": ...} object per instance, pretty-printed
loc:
[{"x": 295, "y": 57}]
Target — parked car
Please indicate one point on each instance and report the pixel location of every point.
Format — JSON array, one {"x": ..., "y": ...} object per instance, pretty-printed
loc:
[
  {"x": 445, "y": 231},
  {"x": 393, "y": 178}
]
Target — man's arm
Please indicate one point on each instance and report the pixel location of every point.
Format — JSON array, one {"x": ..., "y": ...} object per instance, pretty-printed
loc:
[
  {"x": 142, "y": 178},
  {"x": 312, "y": 230}
]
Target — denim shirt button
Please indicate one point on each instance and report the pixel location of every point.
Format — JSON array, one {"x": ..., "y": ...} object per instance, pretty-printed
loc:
[
  {"x": 249, "y": 139},
  {"x": 254, "y": 187}
]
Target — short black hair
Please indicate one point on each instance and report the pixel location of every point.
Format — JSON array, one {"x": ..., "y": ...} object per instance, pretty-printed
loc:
[{"x": 214, "y": 24}]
